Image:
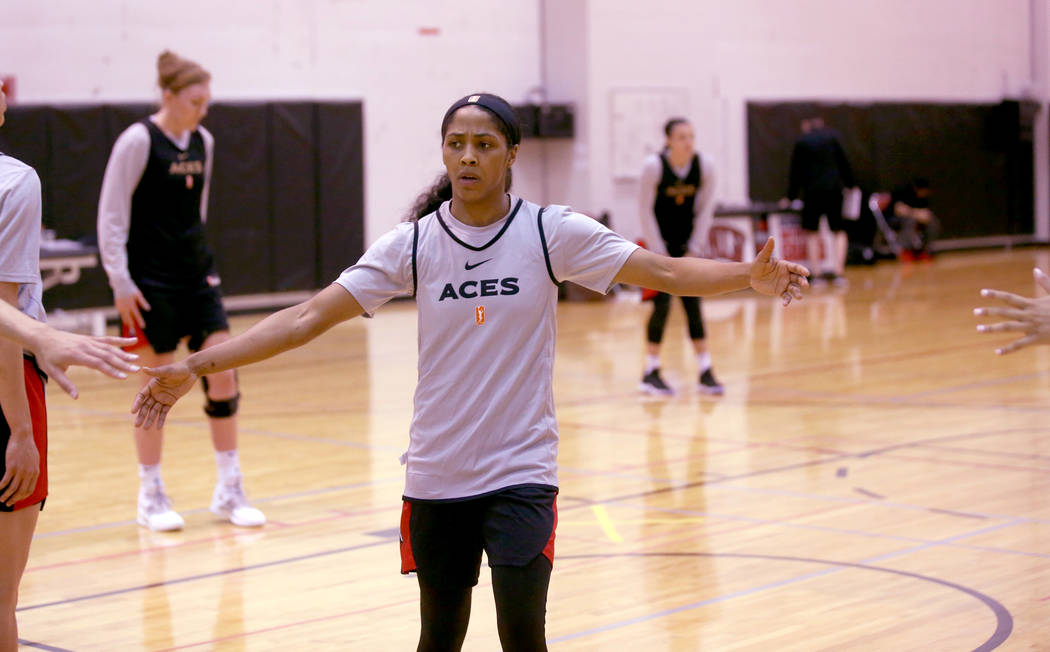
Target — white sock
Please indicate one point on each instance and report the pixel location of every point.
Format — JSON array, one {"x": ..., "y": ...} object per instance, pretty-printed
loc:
[
  {"x": 651, "y": 362},
  {"x": 229, "y": 464},
  {"x": 703, "y": 360},
  {"x": 149, "y": 476}
]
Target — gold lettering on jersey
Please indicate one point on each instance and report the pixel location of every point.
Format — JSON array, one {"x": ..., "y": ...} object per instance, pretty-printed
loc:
[
  {"x": 479, "y": 315},
  {"x": 680, "y": 192},
  {"x": 181, "y": 168}
]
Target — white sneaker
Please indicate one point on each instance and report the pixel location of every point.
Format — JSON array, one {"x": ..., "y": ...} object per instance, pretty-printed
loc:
[
  {"x": 230, "y": 503},
  {"x": 155, "y": 511}
]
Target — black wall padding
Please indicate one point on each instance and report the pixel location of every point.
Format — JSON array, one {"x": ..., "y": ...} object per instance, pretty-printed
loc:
[
  {"x": 340, "y": 166},
  {"x": 239, "y": 208},
  {"x": 293, "y": 162},
  {"x": 286, "y": 209},
  {"x": 981, "y": 185}
]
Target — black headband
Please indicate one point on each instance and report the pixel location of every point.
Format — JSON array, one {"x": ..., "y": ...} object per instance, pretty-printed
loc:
[{"x": 495, "y": 105}]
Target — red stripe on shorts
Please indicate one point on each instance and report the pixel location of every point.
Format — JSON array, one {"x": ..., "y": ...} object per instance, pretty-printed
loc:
[
  {"x": 38, "y": 415},
  {"x": 548, "y": 550},
  {"x": 408, "y": 562}
]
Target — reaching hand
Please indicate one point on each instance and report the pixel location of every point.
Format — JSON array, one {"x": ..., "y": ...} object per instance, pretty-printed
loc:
[
  {"x": 778, "y": 278},
  {"x": 170, "y": 382},
  {"x": 1028, "y": 316},
  {"x": 56, "y": 350}
]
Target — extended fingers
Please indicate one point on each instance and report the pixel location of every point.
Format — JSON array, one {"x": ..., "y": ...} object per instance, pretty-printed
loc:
[
  {"x": 1003, "y": 326},
  {"x": 113, "y": 362},
  {"x": 1041, "y": 278},
  {"x": 1017, "y": 344},
  {"x": 118, "y": 341},
  {"x": 1009, "y": 313},
  {"x": 1014, "y": 300},
  {"x": 60, "y": 377},
  {"x": 157, "y": 413}
]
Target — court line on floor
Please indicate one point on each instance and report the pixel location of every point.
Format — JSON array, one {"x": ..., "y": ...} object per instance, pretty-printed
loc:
[
  {"x": 240, "y": 533},
  {"x": 790, "y": 524},
  {"x": 991, "y": 453},
  {"x": 1004, "y": 620},
  {"x": 849, "y": 500},
  {"x": 789, "y": 467},
  {"x": 202, "y": 576},
  {"x": 42, "y": 646},
  {"x": 201, "y": 510},
  {"x": 299, "y": 623},
  {"x": 313, "y": 556}
]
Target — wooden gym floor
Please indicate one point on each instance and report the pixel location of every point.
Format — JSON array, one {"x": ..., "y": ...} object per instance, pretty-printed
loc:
[{"x": 875, "y": 478}]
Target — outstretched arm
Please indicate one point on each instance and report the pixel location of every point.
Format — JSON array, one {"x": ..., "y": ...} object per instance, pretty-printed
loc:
[
  {"x": 281, "y": 331},
  {"x": 1028, "y": 316},
  {"x": 56, "y": 350},
  {"x": 702, "y": 277}
]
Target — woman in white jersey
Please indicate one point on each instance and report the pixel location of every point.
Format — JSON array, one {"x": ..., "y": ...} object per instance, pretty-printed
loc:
[
  {"x": 151, "y": 216},
  {"x": 23, "y": 415},
  {"x": 483, "y": 266}
]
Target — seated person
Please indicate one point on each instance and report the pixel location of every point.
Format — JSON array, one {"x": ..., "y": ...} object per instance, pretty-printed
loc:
[{"x": 911, "y": 216}]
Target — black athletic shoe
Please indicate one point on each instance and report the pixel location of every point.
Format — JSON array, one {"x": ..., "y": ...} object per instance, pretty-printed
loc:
[
  {"x": 652, "y": 383},
  {"x": 708, "y": 384}
]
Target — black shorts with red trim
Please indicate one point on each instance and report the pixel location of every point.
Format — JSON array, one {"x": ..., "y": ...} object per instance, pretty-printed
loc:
[
  {"x": 178, "y": 313},
  {"x": 34, "y": 379},
  {"x": 442, "y": 540}
]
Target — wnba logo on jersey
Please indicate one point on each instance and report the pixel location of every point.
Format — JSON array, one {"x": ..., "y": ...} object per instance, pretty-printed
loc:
[{"x": 479, "y": 315}]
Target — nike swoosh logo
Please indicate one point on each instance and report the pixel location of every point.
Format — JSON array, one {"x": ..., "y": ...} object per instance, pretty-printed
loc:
[{"x": 469, "y": 267}]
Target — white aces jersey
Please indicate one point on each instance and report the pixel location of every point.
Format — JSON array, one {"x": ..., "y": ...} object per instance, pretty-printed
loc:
[{"x": 486, "y": 296}]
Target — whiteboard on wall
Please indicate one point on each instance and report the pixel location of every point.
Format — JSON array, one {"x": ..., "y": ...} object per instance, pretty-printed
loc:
[{"x": 638, "y": 116}]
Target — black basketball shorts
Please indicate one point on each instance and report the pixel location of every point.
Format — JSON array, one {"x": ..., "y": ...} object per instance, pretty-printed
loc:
[{"x": 442, "y": 541}]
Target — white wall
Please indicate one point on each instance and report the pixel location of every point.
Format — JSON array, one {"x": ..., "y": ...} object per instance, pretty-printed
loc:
[
  {"x": 721, "y": 54},
  {"x": 105, "y": 50}
]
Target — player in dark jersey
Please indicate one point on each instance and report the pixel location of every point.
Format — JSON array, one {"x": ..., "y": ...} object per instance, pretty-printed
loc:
[
  {"x": 676, "y": 204},
  {"x": 484, "y": 267},
  {"x": 151, "y": 236}
]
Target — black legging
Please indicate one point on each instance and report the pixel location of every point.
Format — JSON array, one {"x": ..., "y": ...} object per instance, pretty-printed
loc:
[
  {"x": 521, "y": 610},
  {"x": 662, "y": 306}
]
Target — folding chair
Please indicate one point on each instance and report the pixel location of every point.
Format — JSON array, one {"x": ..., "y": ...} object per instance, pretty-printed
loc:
[{"x": 879, "y": 202}]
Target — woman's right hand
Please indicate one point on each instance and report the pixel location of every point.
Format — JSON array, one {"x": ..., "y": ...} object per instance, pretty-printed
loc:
[
  {"x": 170, "y": 383},
  {"x": 23, "y": 469},
  {"x": 129, "y": 307}
]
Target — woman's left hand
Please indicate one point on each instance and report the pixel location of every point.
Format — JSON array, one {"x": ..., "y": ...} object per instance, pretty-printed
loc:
[{"x": 778, "y": 278}]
